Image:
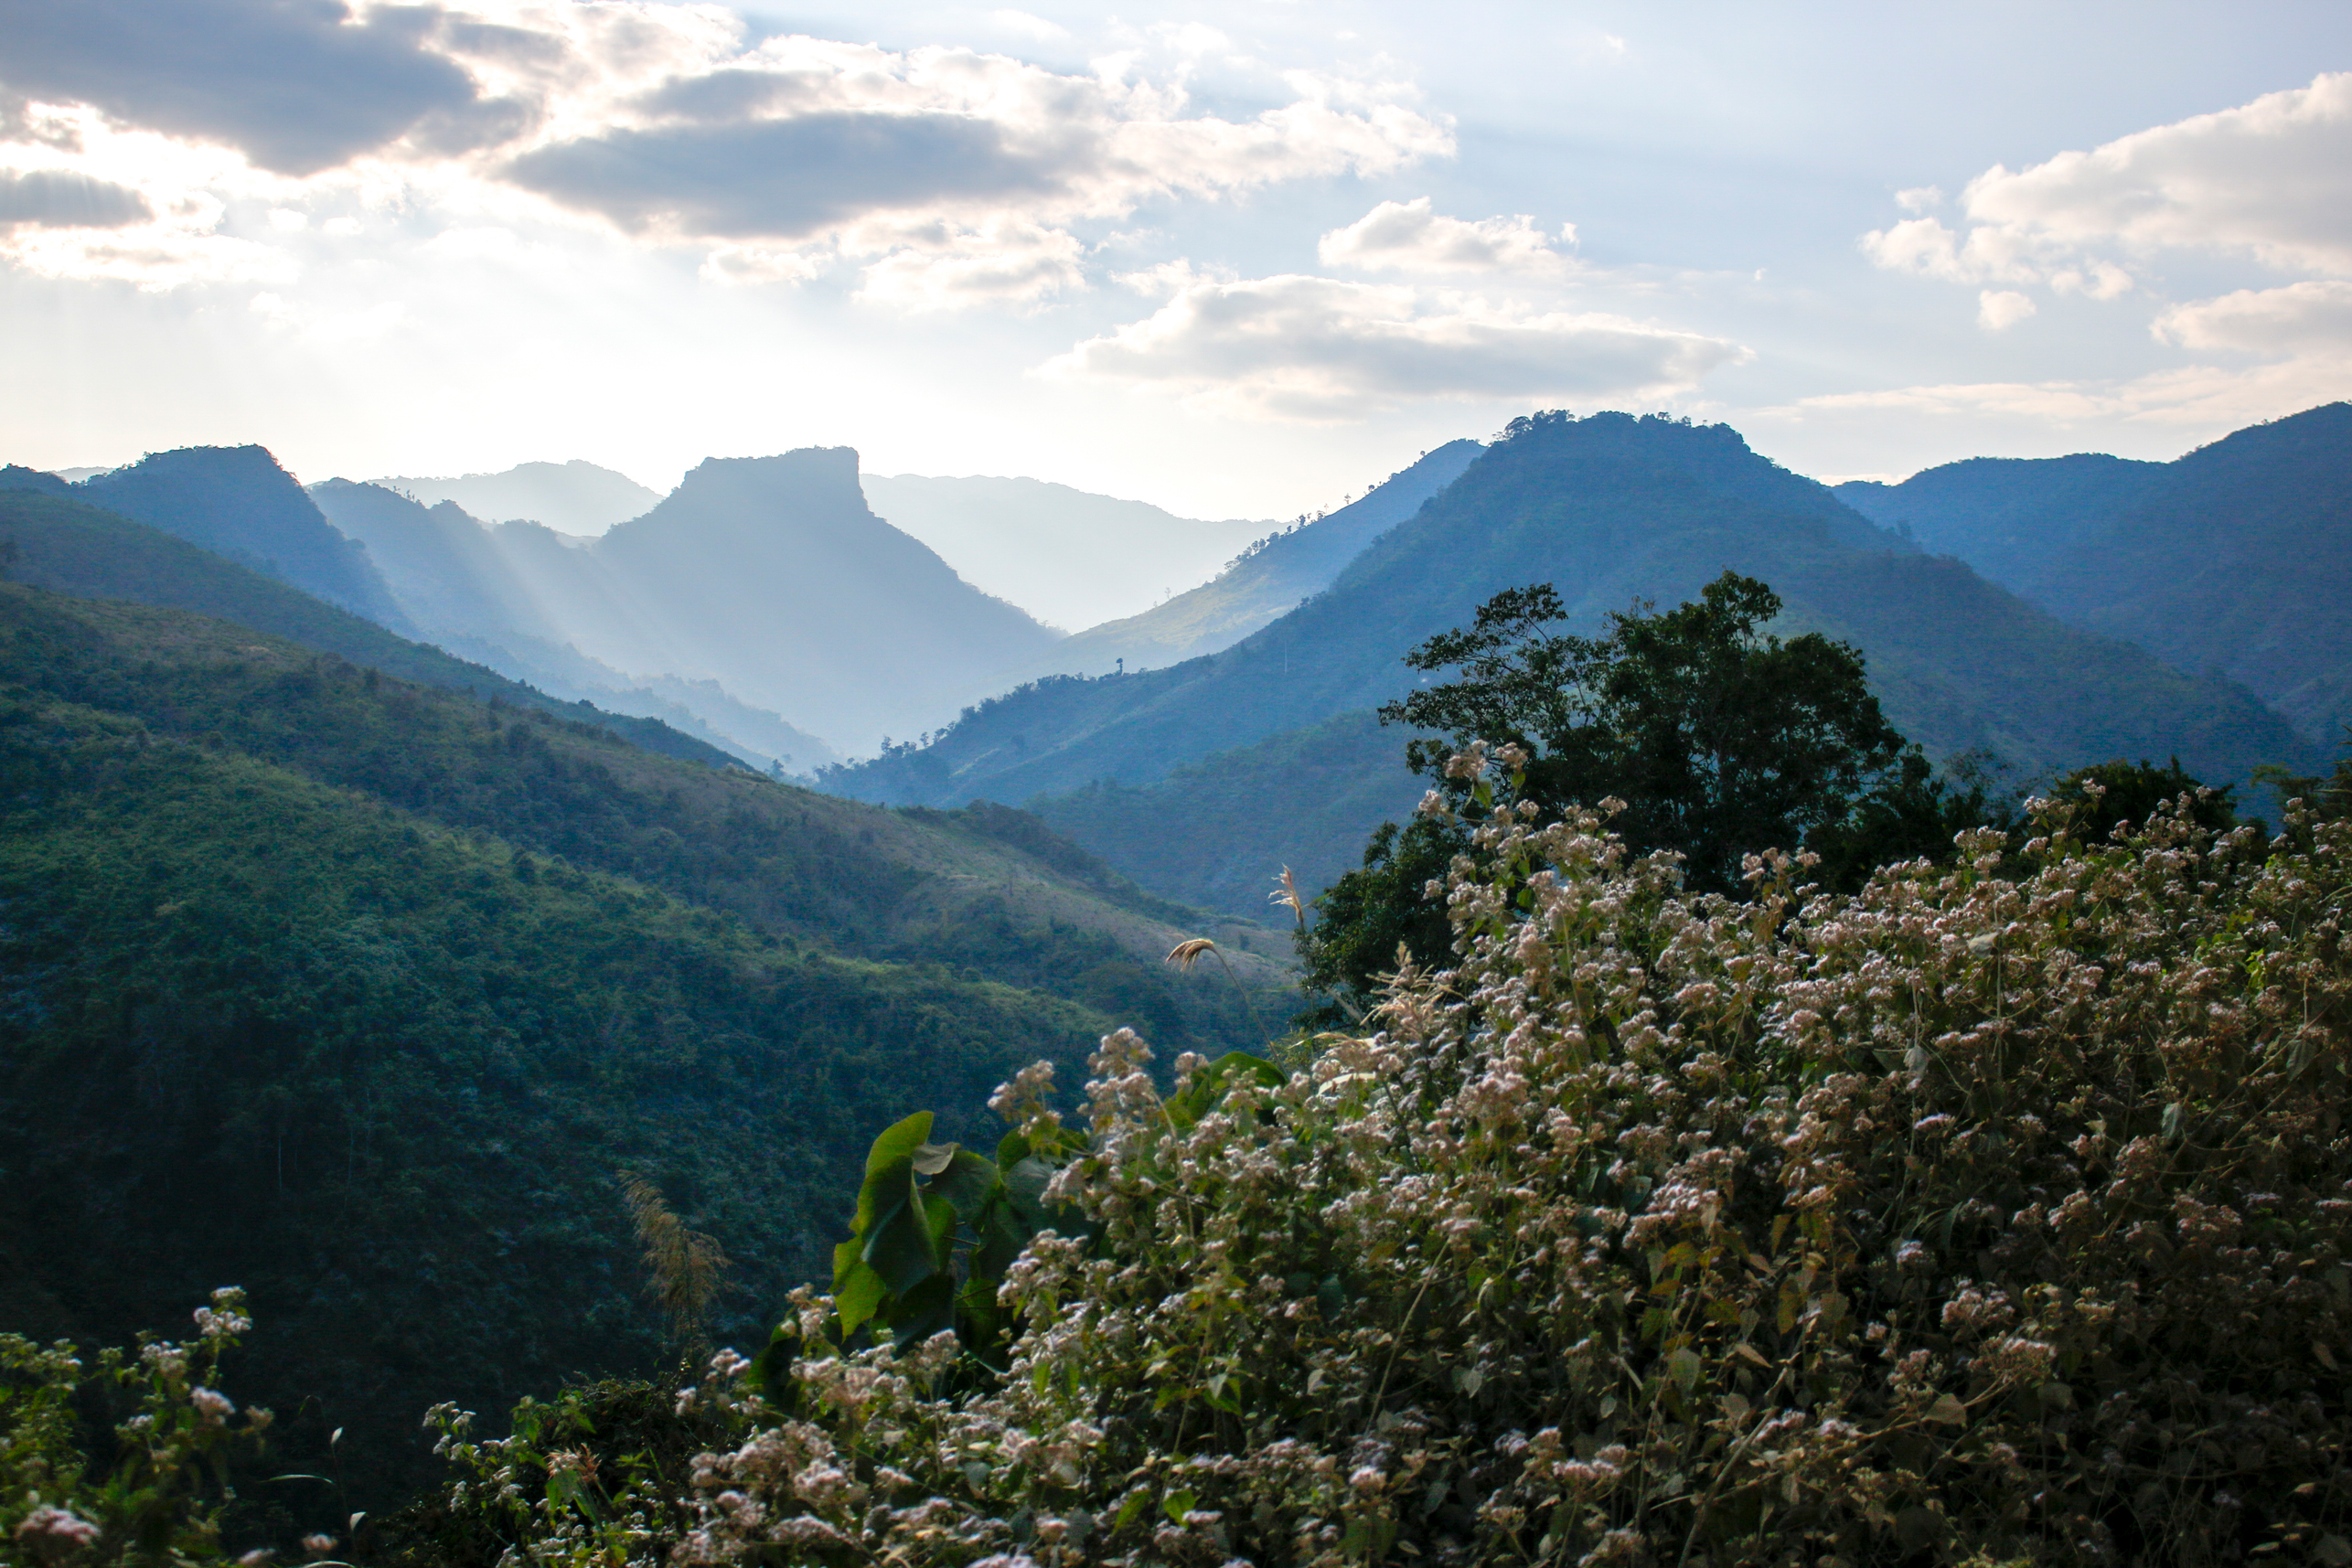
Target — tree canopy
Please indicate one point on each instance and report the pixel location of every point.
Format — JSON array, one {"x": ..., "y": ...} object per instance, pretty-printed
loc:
[{"x": 1719, "y": 739}]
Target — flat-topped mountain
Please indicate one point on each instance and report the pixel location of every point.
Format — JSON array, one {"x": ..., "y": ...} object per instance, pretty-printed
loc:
[{"x": 768, "y": 576}]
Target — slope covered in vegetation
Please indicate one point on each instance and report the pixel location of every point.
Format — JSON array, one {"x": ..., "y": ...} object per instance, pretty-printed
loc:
[
  {"x": 362, "y": 994},
  {"x": 2234, "y": 557},
  {"x": 1999, "y": 1214},
  {"x": 1610, "y": 510}
]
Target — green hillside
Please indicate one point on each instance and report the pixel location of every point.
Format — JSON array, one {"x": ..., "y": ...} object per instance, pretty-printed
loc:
[
  {"x": 1611, "y": 510},
  {"x": 237, "y": 501},
  {"x": 360, "y": 994},
  {"x": 2003, "y": 516},
  {"x": 72, "y": 547},
  {"x": 2238, "y": 559}
]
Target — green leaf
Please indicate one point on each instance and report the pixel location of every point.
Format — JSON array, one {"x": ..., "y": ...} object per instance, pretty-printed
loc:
[
  {"x": 1684, "y": 1365},
  {"x": 966, "y": 1182},
  {"x": 1948, "y": 1410},
  {"x": 930, "y": 1159},
  {"x": 893, "y": 1149},
  {"x": 859, "y": 1297},
  {"x": 1176, "y": 1505},
  {"x": 902, "y": 1250}
]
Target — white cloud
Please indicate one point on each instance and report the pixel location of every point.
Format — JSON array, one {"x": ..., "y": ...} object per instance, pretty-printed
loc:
[
  {"x": 1918, "y": 198},
  {"x": 2199, "y": 397},
  {"x": 2271, "y": 178},
  {"x": 84, "y": 199},
  {"x": 2300, "y": 319},
  {"x": 668, "y": 124},
  {"x": 1998, "y": 310},
  {"x": 1317, "y": 348},
  {"x": 1406, "y": 236},
  {"x": 1004, "y": 262},
  {"x": 2271, "y": 181},
  {"x": 759, "y": 264},
  {"x": 1027, "y": 25}
]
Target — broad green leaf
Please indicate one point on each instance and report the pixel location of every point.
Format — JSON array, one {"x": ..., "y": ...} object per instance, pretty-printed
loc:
[
  {"x": 930, "y": 1159},
  {"x": 859, "y": 1298},
  {"x": 901, "y": 1249},
  {"x": 892, "y": 1152},
  {"x": 966, "y": 1181}
]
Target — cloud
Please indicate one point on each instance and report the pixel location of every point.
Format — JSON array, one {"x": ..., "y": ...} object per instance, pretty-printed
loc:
[
  {"x": 2204, "y": 398},
  {"x": 59, "y": 199},
  {"x": 2271, "y": 181},
  {"x": 297, "y": 86},
  {"x": 1006, "y": 262},
  {"x": 669, "y": 125},
  {"x": 2300, "y": 319},
  {"x": 1406, "y": 236},
  {"x": 802, "y": 136},
  {"x": 1318, "y": 348},
  {"x": 2271, "y": 178},
  {"x": 1998, "y": 310}
]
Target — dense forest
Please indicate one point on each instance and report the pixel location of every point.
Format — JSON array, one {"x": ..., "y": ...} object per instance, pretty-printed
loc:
[{"x": 364, "y": 994}]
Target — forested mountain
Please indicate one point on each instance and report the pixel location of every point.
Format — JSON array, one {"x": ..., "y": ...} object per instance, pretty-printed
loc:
[
  {"x": 2234, "y": 558},
  {"x": 362, "y": 993},
  {"x": 2007, "y": 516},
  {"x": 456, "y": 583},
  {"x": 1265, "y": 582},
  {"x": 1612, "y": 509},
  {"x": 574, "y": 497},
  {"x": 237, "y": 501},
  {"x": 67, "y": 545},
  {"x": 767, "y": 575},
  {"x": 1067, "y": 557}
]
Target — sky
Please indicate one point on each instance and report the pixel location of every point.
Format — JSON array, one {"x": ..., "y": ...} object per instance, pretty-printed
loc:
[{"x": 1233, "y": 259}]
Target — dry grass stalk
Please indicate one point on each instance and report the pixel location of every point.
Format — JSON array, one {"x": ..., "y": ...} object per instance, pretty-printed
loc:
[{"x": 689, "y": 1269}]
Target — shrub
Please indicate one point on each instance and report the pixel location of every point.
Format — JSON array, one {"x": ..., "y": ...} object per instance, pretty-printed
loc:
[
  {"x": 161, "y": 1499},
  {"x": 1975, "y": 1216}
]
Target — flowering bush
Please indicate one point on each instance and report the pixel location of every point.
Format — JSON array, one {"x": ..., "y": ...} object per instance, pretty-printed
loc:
[
  {"x": 1976, "y": 1216},
  {"x": 160, "y": 1501}
]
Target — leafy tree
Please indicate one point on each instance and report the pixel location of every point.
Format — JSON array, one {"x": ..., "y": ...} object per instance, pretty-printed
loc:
[
  {"x": 2112, "y": 795},
  {"x": 1721, "y": 740}
]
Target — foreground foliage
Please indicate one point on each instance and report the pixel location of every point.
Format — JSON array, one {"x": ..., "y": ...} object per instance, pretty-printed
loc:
[
  {"x": 159, "y": 1497},
  {"x": 1979, "y": 1216}
]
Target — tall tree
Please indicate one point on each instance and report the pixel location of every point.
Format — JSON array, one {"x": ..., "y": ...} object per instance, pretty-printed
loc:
[{"x": 1720, "y": 738}]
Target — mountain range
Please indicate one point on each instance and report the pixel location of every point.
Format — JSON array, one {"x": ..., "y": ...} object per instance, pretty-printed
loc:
[
  {"x": 2032, "y": 614},
  {"x": 1613, "y": 511},
  {"x": 2234, "y": 558},
  {"x": 341, "y": 969}
]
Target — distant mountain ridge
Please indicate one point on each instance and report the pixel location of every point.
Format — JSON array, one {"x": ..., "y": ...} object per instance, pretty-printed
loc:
[
  {"x": 1612, "y": 510},
  {"x": 453, "y": 579},
  {"x": 769, "y": 576},
  {"x": 1070, "y": 558},
  {"x": 1265, "y": 582},
  {"x": 65, "y": 545},
  {"x": 574, "y": 497},
  {"x": 2236, "y": 558}
]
